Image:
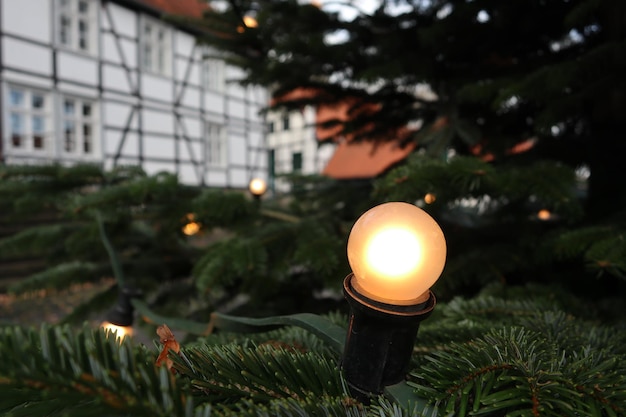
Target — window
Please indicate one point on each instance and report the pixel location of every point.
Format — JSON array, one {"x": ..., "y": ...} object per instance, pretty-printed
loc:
[
  {"x": 78, "y": 126},
  {"x": 76, "y": 24},
  {"x": 215, "y": 154},
  {"x": 271, "y": 162},
  {"x": 155, "y": 47},
  {"x": 213, "y": 74},
  {"x": 296, "y": 162},
  {"x": 286, "y": 121},
  {"x": 29, "y": 119}
]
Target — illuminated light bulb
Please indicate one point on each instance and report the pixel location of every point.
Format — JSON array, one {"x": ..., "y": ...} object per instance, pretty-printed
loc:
[
  {"x": 191, "y": 228},
  {"x": 544, "y": 214},
  {"x": 430, "y": 198},
  {"x": 397, "y": 252},
  {"x": 119, "y": 331},
  {"x": 250, "y": 22},
  {"x": 257, "y": 187}
]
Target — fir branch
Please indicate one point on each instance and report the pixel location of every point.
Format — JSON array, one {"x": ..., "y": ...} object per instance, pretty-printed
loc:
[
  {"x": 60, "y": 276},
  {"x": 41, "y": 240},
  {"x": 519, "y": 372},
  {"x": 57, "y": 372},
  {"x": 260, "y": 373}
]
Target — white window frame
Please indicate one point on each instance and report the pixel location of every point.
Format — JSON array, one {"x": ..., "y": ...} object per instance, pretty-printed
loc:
[
  {"x": 35, "y": 134},
  {"x": 215, "y": 145},
  {"x": 155, "y": 46},
  {"x": 213, "y": 73},
  {"x": 78, "y": 128},
  {"x": 76, "y": 28}
]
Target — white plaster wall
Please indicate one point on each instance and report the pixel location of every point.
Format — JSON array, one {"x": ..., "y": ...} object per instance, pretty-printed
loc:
[
  {"x": 27, "y": 56},
  {"x": 239, "y": 177},
  {"x": 124, "y": 20},
  {"x": 188, "y": 174},
  {"x": 157, "y": 121},
  {"x": 216, "y": 178},
  {"x": 77, "y": 68},
  {"x": 115, "y": 78},
  {"x": 213, "y": 102},
  {"x": 157, "y": 87},
  {"x": 190, "y": 150},
  {"x": 193, "y": 127},
  {"x": 237, "y": 150},
  {"x": 28, "y": 18},
  {"x": 112, "y": 141},
  {"x": 158, "y": 147},
  {"x": 116, "y": 114},
  {"x": 191, "y": 97},
  {"x": 155, "y": 167}
]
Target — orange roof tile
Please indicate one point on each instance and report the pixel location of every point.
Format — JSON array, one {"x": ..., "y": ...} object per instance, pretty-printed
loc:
[
  {"x": 353, "y": 160},
  {"x": 190, "y": 8}
]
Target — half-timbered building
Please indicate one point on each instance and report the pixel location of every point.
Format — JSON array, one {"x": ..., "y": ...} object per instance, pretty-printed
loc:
[{"x": 113, "y": 83}]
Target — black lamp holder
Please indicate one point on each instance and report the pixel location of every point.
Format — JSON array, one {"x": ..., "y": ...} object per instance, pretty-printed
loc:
[
  {"x": 379, "y": 342},
  {"x": 122, "y": 313}
]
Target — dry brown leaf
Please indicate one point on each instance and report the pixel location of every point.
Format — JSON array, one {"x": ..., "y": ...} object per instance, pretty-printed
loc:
[{"x": 169, "y": 343}]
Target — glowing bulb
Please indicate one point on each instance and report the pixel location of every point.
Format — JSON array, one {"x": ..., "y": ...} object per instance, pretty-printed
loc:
[
  {"x": 430, "y": 198},
  {"x": 397, "y": 252},
  {"x": 119, "y": 331},
  {"x": 257, "y": 187},
  {"x": 544, "y": 214},
  {"x": 191, "y": 228},
  {"x": 250, "y": 22}
]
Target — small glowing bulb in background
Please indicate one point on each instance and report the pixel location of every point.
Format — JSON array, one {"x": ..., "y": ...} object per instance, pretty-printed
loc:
[
  {"x": 429, "y": 198},
  {"x": 248, "y": 22},
  {"x": 544, "y": 214},
  {"x": 192, "y": 227},
  {"x": 119, "y": 331},
  {"x": 397, "y": 252},
  {"x": 257, "y": 187}
]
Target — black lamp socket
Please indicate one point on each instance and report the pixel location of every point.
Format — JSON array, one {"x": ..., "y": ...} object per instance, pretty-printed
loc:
[
  {"x": 122, "y": 313},
  {"x": 379, "y": 342}
]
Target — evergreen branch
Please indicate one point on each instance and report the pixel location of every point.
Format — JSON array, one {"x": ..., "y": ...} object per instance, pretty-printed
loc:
[
  {"x": 55, "y": 372},
  {"x": 59, "y": 276},
  {"x": 260, "y": 373},
  {"x": 41, "y": 240},
  {"x": 519, "y": 372}
]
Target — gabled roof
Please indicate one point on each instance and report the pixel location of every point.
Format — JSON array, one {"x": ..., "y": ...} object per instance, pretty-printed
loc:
[
  {"x": 191, "y": 8},
  {"x": 358, "y": 160},
  {"x": 352, "y": 159},
  {"x": 187, "y": 8}
]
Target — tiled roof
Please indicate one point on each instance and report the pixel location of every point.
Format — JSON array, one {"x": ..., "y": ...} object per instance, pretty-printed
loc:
[
  {"x": 352, "y": 159},
  {"x": 190, "y": 8},
  {"x": 355, "y": 160}
]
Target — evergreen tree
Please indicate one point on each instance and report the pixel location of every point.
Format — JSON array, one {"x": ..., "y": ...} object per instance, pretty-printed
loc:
[{"x": 530, "y": 317}]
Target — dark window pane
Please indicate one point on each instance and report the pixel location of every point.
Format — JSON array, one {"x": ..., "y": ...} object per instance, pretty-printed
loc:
[
  {"x": 68, "y": 107},
  {"x": 38, "y": 101},
  {"x": 296, "y": 162},
  {"x": 38, "y": 141}
]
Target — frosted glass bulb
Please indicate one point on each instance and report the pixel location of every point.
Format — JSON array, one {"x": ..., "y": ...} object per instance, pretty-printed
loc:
[
  {"x": 397, "y": 252},
  {"x": 257, "y": 186}
]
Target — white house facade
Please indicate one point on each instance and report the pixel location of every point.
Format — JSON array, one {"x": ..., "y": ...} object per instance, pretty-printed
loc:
[
  {"x": 294, "y": 146},
  {"x": 110, "y": 82}
]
